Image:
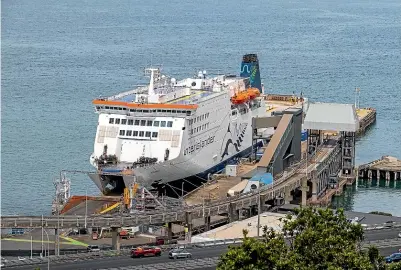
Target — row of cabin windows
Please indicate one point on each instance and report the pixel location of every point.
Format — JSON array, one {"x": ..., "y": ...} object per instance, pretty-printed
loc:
[
  {"x": 199, "y": 118},
  {"x": 200, "y": 128},
  {"x": 148, "y": 123},
  {"x": 142, "y": 111},
  {"x": 136, "y": 133}
]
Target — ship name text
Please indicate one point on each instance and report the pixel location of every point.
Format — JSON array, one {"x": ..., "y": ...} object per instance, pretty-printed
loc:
[{"x": 199, "y": 145}]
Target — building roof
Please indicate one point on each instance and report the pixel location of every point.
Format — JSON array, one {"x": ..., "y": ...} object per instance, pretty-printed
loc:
[
  {"x": 235, "y": 229},
  {"x": 331, "y": 116}
]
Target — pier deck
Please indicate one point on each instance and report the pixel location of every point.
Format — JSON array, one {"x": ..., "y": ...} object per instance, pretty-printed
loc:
[{"x": 387, "y": 167}]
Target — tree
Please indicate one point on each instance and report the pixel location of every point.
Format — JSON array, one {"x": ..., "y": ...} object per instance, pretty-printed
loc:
[
  {"x": 394, "y": 266},
  {"x": 311, "y": 239}
]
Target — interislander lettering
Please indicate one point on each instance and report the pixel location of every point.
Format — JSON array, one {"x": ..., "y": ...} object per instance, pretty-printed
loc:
[{"x": 199, "y": 145}]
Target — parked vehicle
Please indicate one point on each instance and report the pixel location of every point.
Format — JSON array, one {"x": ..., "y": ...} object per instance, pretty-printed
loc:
[
  {"x": 395, "y": 257},
  {"x": 93, "y": 248},
  {"x": 179, "y": 253},
  {"x": 125, "y": 235},
  {"x": 145, "y": 251}
]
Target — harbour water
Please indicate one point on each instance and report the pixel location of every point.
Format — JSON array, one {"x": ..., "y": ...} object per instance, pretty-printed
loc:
[{"x": 59, "y": 55}]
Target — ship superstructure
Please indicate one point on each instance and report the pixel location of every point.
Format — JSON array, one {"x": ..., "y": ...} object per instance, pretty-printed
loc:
[{"x": 172, "y": 129}]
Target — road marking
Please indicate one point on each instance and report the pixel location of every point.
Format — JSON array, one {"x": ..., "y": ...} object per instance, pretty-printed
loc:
[
  {"x": 35, "y": 241},
  {"x": 74, "y": 242}
]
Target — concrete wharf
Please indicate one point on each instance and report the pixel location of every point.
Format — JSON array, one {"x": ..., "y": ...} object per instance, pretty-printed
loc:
[
  {"x": 388, "y": 168},
  {"x": 366, "y": 117}
]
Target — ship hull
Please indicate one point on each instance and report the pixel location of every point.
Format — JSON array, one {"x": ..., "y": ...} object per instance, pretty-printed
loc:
[{"x": 167, "y": 186}]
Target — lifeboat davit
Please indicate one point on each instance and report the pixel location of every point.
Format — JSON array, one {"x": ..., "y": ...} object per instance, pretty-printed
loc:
[
  {"x": 240, "y": 98},
  {"x": 253, "y": 93}
]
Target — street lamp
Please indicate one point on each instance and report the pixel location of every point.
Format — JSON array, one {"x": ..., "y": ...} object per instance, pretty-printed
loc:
[{"x": 48, "y": 248}]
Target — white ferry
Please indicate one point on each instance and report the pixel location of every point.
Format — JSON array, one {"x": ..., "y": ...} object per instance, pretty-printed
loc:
[{"x": 176, "y": 130}]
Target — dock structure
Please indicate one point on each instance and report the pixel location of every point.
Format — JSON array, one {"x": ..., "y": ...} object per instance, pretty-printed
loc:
[
  {"x": 343, "y": 120},
  {"x": 366, "y": 117},
  {"x": 388, "y": 168}
]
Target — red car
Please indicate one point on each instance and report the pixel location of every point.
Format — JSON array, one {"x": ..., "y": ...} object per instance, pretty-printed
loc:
[{"x": 140, "y": 252}]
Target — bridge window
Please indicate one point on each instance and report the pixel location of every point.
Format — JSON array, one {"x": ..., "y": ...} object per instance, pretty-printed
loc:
[
  {"x": 147, "y": 134},
  {"x": 156, "y": 123},
  {"x": 154, "y": 134},
  {"x": 129, "y": 132},
  {"x": 141, "y": 133},
  {"x": 122, "y": 132},
  {"x": 117, "y": 121},
  {"x": 107, "y": 107},
  {"x": 111, "y": 121},
  {"x": 143, "y": 122},
  {"x": 149, "y": 123},
  {"x": 130, "y": 122},
  {"x": 174, "y": 111},
  {"x": 135, "y": 134},
  {"x": 170, "y": 124},
  {"x": 136, "y": 122},
  {"x": 163, "y": 123},
  {"x": 123, "y": 121}
]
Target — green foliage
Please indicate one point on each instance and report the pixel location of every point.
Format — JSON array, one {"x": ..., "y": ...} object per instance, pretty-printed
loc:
[
  {"x": 394, "y": 266},
  {"x": 312, "y": 239},
  {"x": 381, "y": 213}
]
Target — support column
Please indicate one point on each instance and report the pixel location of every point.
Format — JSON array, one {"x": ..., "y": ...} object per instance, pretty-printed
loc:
[
  {"x": 263, "y": 207},
  {"x": 56, "y": 239},
  {"x": 115, "y": 238},
  {"x": 387, "y": 183},
  {"x": 304, "y": 189},
  {"x": 207, "y": 223},
  {"x": 378, "y": 174},
  {"x": 370, "y": 174},
  {"x": 188, "y": 220},
  {"x": 233, "y": 214},
  {"x": 387, "y": 175},
  {"x": 287, "y": 195},
  {"x": 169, "y": 231},
  {"x": 314, "y": 190}
]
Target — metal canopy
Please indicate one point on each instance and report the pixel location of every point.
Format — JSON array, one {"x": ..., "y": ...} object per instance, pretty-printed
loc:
[{"x": 331, "y": 116}]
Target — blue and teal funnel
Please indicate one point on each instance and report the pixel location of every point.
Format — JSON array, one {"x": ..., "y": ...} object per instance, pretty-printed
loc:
[{"x": 250, "y": 69}]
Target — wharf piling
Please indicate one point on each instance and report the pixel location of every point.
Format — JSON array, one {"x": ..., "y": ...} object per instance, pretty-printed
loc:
[{"x": 388, "y": 168}]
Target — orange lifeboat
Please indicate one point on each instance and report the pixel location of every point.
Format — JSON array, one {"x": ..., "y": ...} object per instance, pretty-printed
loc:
[
  {"x": 239, "y": 98},
  {"x": 253, "y": 93}
]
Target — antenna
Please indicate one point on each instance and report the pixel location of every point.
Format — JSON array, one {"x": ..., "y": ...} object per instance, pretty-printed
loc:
[{"x": 357, "y": 90}]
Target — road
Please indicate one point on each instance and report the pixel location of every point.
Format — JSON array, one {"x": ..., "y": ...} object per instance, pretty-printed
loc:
[
  {"x": 116, "y": 262},
  {"x": 375, "y": 235}
]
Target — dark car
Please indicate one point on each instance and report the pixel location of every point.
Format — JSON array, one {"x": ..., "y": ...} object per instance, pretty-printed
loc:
[
  {"x": 395, "y": 257},
  {"x": 145, "y": 251},
  {"x": 389, "y": 224}
]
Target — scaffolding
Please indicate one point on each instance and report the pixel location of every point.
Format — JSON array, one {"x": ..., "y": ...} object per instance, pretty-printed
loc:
[
  {"x": 348, "y": 152},
  {"x": 138, "y": 199},
  {"x": 62, "y": 194}
]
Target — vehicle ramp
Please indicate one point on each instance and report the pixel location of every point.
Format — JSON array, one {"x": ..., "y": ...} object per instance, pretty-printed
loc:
[{"x": 284, "y": 147}]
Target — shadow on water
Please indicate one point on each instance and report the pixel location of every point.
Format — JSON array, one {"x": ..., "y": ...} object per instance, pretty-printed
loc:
[{"x": 367, "y": 195}]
